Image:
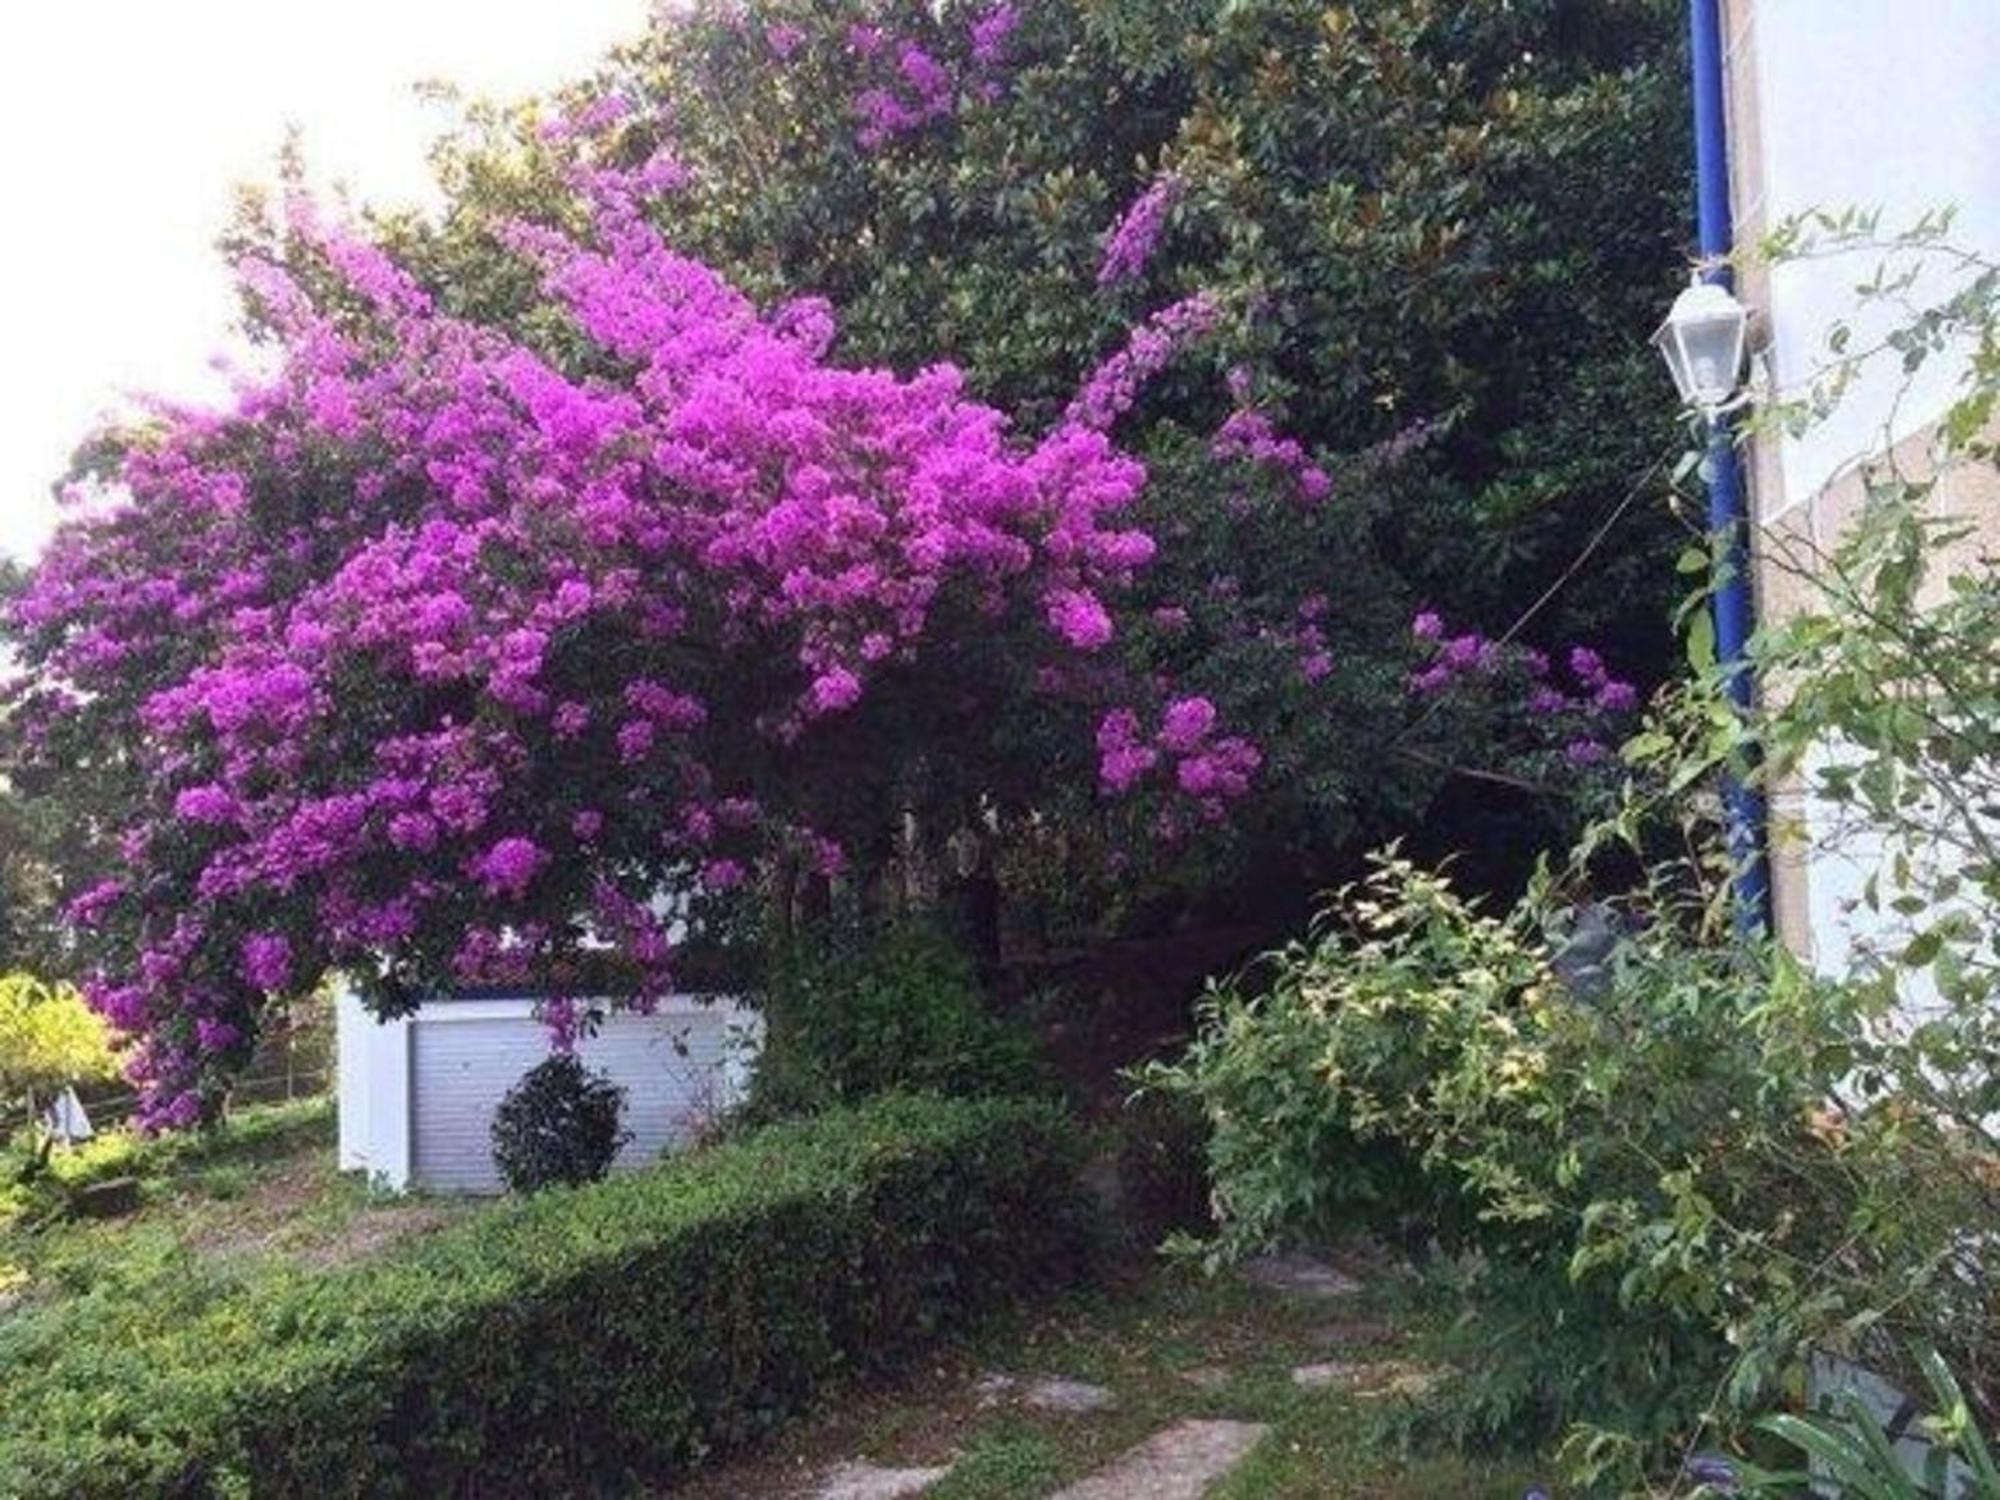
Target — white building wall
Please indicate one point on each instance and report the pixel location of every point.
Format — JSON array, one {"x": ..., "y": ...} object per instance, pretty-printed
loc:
[
  {"x": 1886, "y": 106},
  {"x": 372, "y": 1091},
  {"x": 1883, "y": 105}
]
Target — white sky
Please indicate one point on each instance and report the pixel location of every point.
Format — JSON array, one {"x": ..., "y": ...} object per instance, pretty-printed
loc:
[{"x": 124, "y": 125}]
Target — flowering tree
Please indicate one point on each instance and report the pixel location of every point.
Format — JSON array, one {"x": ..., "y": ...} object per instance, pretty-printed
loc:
[
  {"x": 1434, "y": 240},
  {"x": 438, "y": 660}
]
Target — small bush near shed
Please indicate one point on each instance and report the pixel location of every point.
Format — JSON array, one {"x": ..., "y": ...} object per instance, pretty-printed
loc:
[
  {"x": 577, "y": 1341},
  {"x": 560, "y": 1125},
  {"x": 856, "y": 1011}
]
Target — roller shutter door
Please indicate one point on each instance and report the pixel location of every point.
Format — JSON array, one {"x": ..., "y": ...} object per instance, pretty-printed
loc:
[{"x": 675, "y": 1071}]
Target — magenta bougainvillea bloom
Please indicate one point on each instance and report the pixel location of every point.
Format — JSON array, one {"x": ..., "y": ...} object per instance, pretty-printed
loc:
[
  {"x": 267, "y": 962},
  {"x": 1129, "y": 247},
  {"x": 1081, "y": 618},
  {"x": 1122, "y": 756},
  {"x": 1576, "y": 724},
  {"x": 509, "y": 866},
  {"x": 1250, "y": 436},
  {"x": 991, "y": 31},
  {"x": 1186, "y": 724},
  {"x": 1114, "y": 386},
  {"x": 437, "y": 657},
  {"x": 912, "y": 86}
]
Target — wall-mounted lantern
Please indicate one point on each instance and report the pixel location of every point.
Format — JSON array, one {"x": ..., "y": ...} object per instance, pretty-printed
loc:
[{"x": 1703, "y": 342}]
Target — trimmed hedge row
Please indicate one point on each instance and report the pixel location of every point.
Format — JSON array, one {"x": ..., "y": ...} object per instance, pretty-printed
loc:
[{"x": 578, "y": 1340}]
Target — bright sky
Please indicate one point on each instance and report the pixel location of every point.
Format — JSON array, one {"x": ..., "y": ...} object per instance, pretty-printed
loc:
[{"x": 124, "y": 125}]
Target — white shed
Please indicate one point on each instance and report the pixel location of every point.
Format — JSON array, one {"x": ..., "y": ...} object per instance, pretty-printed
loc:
[{"x": 417, "y": 1095}]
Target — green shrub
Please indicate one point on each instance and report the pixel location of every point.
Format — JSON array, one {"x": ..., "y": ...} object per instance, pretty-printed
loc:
[
  {"x": 570, "y": 1342},
  {"x": 1627, "y": 1175},
  {"x": 559, "y": 1125},
  {"x": 857, "y": 1011},
  {"x": 1666, "y": 1191}
]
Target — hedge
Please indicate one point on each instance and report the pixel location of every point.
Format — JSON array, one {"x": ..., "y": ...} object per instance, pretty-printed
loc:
[{"x": 578, "y": 1341}]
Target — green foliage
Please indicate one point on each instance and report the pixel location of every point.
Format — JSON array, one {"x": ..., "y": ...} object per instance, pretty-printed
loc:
[
  {"x": 46, "y": 1191},
  {"x": 15, "y": 877},
  {"x": 1660, "y": 1194},
  {"x": 49, "y": 1038},
  {"x": 1850, "y": 1447},
  {"x": 1010, "y": 1464},
  {"x": 856, "y": 1010},
  {"x": 1416, "y": 1063},
  {"x": 566, "y": 1343},
  {"x": 1886, "y": 700},
  {"x": 560, "y": 1125}
]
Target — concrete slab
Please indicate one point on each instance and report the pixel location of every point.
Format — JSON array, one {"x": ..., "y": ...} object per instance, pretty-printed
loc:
[
  {"x": 1369, "y": 1379},
  {"x": 1320, "y": 1377},
  {"x": 1177, "y": 1464},
  {"x": 1049, "y": 1393},
  {"x": 866, "y": 1481},
  {"x": 1302, "y": 1275}
]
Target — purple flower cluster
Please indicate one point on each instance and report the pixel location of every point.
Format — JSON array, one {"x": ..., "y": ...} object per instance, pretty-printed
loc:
[
  {"x": 1581, "y": 718},
  {"x": 913, "y": 87},
  {"x": 992, "y": 29},
  {"x": 1308, "y": 638},
  {"x": 1114, "y": 386},
  {"x": 585, "y": 610},
  {"x": 1208, "y": 767},
  {"x": 1130, "y": 245},
  {"x": 1249, "y": 436}
]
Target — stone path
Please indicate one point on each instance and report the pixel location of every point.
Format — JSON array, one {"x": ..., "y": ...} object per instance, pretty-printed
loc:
[
  {"x": 1182, "y": 1461},
  {"x": 864, "y": 1481},
  {"x": 1047, "y": 1394},
  {"x": 1177, "y": 1464},
  {"x": 1300, "y": 1274},
  {"x": 1208, "y": 1377},
  {"x": 1367, "y": 1379}
]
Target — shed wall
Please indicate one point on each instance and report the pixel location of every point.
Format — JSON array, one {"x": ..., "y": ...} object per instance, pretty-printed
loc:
[{"x": 680, "y": 1069}]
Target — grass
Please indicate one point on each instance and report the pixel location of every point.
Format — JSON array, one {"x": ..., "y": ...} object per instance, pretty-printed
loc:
[
  {"x": 216, "y": 1207},
  {"x": 1143, "y": 1339}
]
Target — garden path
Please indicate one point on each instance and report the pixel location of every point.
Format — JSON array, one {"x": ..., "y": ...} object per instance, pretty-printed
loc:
[{"x": 1165, "y": 1385}]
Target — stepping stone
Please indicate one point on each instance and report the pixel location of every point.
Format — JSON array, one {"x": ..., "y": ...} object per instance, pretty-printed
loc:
[
  {"x": 1208, "y": 1377},
  {"x": 1358, "y": 1333},
  {"x": 865, "y": 1481},
  {"x": 1400, "y": 1380},
  {"x": 1301, "y": 1274},
  {"x": 1338, "y": 1372},
  {"x": 1050, "y": 1394},
  {"x": 1177, "y": 1464},
  {"x": 1367, "y": 1381}
]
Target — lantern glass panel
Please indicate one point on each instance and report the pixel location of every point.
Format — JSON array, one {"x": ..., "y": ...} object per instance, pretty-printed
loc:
[{"x": 1702, "y": 343}]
